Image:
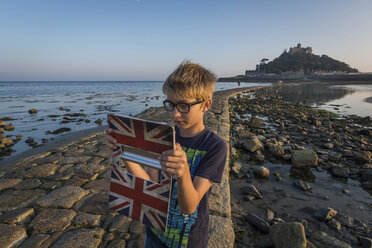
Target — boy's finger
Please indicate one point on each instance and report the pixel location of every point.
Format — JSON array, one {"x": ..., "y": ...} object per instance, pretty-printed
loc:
[
  {"x": 168, "y": 153},
  {"x": 178, "y": 146},
  {"x": 168, "y": 158},
  {"x": 110, "y": 138}
]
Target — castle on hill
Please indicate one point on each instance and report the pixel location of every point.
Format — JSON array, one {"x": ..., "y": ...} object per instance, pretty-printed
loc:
[{"x": 299, "y": 49}]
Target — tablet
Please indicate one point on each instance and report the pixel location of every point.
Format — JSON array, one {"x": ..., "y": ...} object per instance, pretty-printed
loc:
[{"x": 142, "y": 141}]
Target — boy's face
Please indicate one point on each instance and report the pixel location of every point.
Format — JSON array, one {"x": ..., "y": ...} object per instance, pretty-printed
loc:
[{"x": 191, "y": 120}]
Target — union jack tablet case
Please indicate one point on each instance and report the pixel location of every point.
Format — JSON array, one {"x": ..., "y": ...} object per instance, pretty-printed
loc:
[
  {"x": 142, "y": 140},
  {"x": 140, "y": 199}
]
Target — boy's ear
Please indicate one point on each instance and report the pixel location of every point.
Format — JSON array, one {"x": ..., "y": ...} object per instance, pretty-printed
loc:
[{"x": 207, "y": 105}]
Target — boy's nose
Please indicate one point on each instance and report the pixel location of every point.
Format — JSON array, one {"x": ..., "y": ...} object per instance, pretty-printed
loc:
[{"x": 175, "y": 112}]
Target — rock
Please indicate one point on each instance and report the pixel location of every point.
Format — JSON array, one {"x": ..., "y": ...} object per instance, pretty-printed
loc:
[
  {"x": 7, "y": 142},
  {"x": 340, "y": 171},
  {"x": 255, "y": 122},
  {"x": 32, "y": 111},
  {"x": 345, "y": 220},
  {"x": 260, "y": 158},
  {"x": 87, "y": 220},
  {"x": 276, "y": 150},
  {"x": 2, "y": 123},
  {"x": 252, "y": 190},
  {"x": 64, "y": 197},
  {"x": 35, "y": 241},
  {"x": 11, "y": 236},
  {"x": 50, "y": 185},
  {"x": 366, "y": 242},
  {"x": 96, "y": 204},
  {"x": 257, "y": 222},
  {"x": 9, "y": 183},
  {"x": 261, "y": 171},
  {"x": 28, "y": 184},
  {"x": 220, "y": 232},
  {"x": 120, "y": 224},
  {"x": 321, "y": 239},
  {"x": 98, "y": 121},
  {"x": 1, "y": 130},
  {"x": 13, "y": 199},
  {"x": 268, "y": 215},
  {"x": 301, "y": 185},
  {"x": 118, "y": 243},
  {"x": 87, "y": 238},
  {"x": 98, "y": 185},
  {"x": 61, "y": 130},
  {"x": 363, "y": 156},
  {"x": 88, "y": 171},
  {"x": 304, "y": 158},
  {"x": 328, "y": 145},
  {"x": 236, "y": 168},
  {"x": 278, "y": 178},
  {"x": 252, "y": 144},
  {"x": 334, "y": 224},
  {"x": 74, "y": 160},
  {"x": 17, "y": 216},
  {"x": 10, "y": 127},
  {"x": 325, "y": 214},
  {"x": 51, "y": 220},
  {"x": 336, "y": 136},
  {"x": 40, "y": 171},
  {"x": 288, "y": 235},
  {"x": 136, "y": 243}
]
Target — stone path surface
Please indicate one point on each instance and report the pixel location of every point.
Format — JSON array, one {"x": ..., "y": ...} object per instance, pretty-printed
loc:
[{"x": 60, "y": 198}]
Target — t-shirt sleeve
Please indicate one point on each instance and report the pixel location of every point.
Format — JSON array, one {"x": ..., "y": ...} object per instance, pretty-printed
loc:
[{"x": 213, "y": 163}]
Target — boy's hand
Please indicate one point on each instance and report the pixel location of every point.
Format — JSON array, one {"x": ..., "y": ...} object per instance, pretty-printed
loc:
[
  {"x": 110, "y": 141},
  {"x": 175, "y": 162}
]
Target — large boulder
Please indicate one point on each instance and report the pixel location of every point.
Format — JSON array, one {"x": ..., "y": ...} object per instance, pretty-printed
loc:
[
  {"x": 304, "y": 158},
  {"x": 288, "y": 235}
]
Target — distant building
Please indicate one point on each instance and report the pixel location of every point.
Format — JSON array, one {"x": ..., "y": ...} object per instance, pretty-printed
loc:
[
  {"x": 298, "y": 48},
  {"x": 252, "y": 73}
]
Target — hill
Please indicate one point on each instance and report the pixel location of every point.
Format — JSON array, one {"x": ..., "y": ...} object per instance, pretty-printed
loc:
[{"x": 303, "y": 61}]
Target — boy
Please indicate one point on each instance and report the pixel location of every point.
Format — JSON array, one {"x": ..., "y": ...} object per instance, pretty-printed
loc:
[{"x": 197, "y": 161}]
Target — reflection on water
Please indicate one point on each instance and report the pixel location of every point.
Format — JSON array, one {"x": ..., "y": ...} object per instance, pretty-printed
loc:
[
  {"x": 303, "y": 174},
  {"x": 340, "y": 99}
]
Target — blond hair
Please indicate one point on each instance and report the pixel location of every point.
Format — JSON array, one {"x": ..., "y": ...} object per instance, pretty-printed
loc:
[{"x": 190, "y": 80}]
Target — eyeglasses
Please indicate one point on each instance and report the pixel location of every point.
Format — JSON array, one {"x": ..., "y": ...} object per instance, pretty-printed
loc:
[{"x": 181, "y": 107}]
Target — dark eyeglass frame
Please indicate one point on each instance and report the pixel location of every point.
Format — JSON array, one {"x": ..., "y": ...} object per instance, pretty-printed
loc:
[{"x": 177, "y": 104}]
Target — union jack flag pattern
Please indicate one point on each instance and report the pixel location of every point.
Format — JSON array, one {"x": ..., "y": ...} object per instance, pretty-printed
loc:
[
  {"x": 137, "y": 198},
  {"x": 143, "y": 141}
]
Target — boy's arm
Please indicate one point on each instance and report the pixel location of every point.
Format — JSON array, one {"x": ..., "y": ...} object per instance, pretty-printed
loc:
[{"x": 189, "y": 192}]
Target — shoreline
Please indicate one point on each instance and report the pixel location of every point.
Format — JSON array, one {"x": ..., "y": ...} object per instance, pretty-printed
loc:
[
  {"x": 67, "y": 138},
  {"x": 62, "y": 140}
]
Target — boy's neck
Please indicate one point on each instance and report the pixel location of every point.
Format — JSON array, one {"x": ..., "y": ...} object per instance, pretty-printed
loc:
[{"x": 191, "y": 132}]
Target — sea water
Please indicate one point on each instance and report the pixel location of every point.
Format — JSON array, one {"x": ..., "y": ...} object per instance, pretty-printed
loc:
[{"x": 88, "y": 101}]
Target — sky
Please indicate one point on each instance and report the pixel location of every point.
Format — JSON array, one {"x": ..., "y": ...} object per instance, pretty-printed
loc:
[{"x": 129, "y": 40}]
